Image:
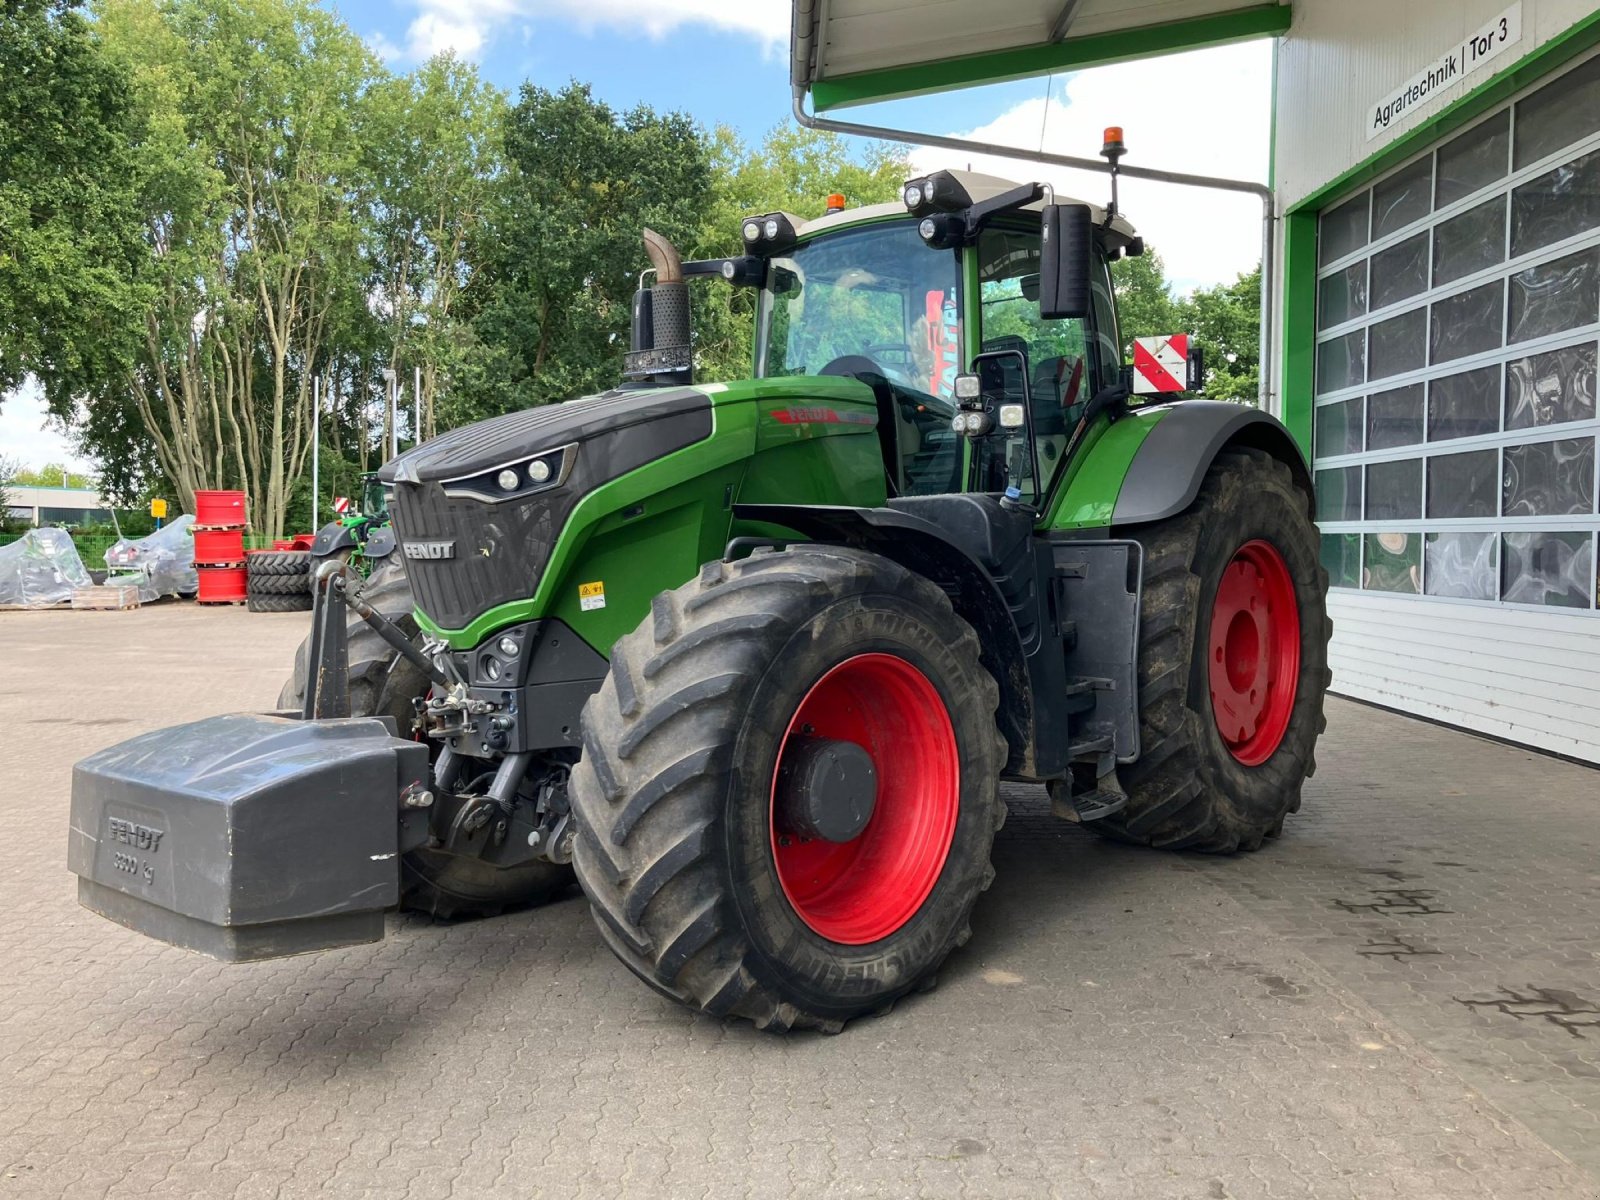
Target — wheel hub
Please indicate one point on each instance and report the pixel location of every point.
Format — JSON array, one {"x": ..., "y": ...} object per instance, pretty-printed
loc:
[
  {"x": 1253, "y": 652},
  {"x": 865, "y": 797},
  {"x": 827, "y": 788}
]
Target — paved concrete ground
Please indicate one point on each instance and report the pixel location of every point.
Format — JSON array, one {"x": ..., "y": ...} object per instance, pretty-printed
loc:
[{"x": 1399, "y": 999}]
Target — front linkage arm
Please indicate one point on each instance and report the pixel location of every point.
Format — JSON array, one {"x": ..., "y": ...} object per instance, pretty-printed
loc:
[{"x": 328, "y": 671}]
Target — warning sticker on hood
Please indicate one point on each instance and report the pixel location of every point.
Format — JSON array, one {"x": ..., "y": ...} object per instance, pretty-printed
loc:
[{"x": 592, "y": 595}]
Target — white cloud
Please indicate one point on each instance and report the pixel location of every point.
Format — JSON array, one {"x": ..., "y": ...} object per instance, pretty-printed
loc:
[
  {"x": 26, "y": 436},
  {"x": 1206, "y": 112},
  {"x": 465, "y": 26}
]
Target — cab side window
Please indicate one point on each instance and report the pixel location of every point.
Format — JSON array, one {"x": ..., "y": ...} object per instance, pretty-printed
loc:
[{"x": 1064, "y": 361}]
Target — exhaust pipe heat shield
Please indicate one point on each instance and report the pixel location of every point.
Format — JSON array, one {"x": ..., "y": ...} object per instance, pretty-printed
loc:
[{"x": 246, "y": 837}]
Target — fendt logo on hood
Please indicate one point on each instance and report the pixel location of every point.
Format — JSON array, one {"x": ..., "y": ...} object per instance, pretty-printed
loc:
[{"x": 431, "y": 550}]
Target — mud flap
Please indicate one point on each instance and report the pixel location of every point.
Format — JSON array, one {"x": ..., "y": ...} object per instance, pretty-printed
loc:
[{"x": 246, "y": 837}]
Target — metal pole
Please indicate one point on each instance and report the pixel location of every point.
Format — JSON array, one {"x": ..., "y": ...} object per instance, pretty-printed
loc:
[
  {"x": 1243, "y": 186},
  {"x": 316, "y": 438},
  {"x": 416, "y": 406},
  {"x": 394, "y": 427}
]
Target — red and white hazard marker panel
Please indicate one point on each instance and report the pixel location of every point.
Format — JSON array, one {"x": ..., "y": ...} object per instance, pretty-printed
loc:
[
  {"x": 341, "y": 505},
  {"x": 1160, "y": 364}
]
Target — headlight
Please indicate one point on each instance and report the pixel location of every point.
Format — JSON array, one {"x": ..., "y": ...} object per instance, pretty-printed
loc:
[
  {"x": 771, "y": 227},
  {"x": 912, "y": 196},
  {"x": 538, "y": 470},
  {"x": 508, "y": 647},
  {"x": 752, "y": 231},
  {"x": 508, "y": 480},
  {"x": 927, "y": 229},
  {"x": 491, "y": 668}
]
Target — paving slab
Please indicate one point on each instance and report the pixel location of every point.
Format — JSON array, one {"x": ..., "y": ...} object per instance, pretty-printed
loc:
[{"x": 1397, "y": 999}]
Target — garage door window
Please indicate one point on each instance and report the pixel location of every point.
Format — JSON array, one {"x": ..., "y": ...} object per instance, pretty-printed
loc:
[{"x": 1458, "y": 345}]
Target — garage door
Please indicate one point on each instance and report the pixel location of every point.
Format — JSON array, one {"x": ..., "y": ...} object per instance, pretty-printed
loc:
[{"x": 1458, "y": 327}]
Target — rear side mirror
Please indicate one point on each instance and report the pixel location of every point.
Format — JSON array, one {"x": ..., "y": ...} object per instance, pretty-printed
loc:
[{"x": 1065, "y": 250}]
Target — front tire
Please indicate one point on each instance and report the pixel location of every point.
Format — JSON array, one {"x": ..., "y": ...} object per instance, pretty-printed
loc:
[
  {"x": 703, "y": 880},
  {"x": 1233, "y": 664}
]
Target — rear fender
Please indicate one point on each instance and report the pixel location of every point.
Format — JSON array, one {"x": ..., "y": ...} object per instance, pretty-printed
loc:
[
  {"x": 922, "y": 546},
  {"x": 332, "y": 538},
  {"x": 1171, "y": 464}
]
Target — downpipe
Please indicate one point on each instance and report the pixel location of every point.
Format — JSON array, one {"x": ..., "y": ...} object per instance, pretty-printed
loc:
[{"x": 1182, "y": 179}]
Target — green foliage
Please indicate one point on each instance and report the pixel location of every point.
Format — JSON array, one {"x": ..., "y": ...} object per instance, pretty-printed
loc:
[
  {"x": 1224, "y": 321},
  {"x": 1146, "y": 306},
  {"x": 69, "y": 238},
  {"x": 254, "y": 204},
  {"x": 51, "y": 475},
  {"x": 562, "y": 252}
]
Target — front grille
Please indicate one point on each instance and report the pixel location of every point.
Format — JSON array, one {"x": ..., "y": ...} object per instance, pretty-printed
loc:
[{"x": 500, "y": 549}]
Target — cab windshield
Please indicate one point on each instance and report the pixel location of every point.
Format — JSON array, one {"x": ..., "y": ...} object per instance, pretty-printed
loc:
[
  {"x": 874, "y": 299},
  {"x": 877, "y": 304}
]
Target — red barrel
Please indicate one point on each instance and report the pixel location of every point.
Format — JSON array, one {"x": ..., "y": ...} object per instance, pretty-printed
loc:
[
  {"x": 219, "y": 508},
  {"x": 221, "y": 585},
  {"x": 216, "y": 546}
]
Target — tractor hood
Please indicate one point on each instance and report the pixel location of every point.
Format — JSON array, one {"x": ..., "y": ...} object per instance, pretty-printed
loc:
[{"x": 478, "y": 510}]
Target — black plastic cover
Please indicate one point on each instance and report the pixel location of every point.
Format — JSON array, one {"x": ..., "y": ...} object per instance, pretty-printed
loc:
[
  {"x": 486, "y": 444},
  {"x": 1168, "y": 469},
  {"x": 247, "y": 836}
]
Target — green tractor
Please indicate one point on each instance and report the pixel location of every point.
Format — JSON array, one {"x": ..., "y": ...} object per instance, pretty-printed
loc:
[
  {"x": 751, "y": 659},
  {"x": 363, "y": 538}
]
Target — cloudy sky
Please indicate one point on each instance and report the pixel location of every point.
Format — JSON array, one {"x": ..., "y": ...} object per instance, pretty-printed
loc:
[{"x": 724, "y": 62}]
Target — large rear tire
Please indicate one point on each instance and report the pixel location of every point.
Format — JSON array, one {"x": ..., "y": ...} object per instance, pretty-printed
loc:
[
  {"x": 383, "y": 683},
  {"x": 1233, "y": 654},
  {"x": 818, "y": 672}
]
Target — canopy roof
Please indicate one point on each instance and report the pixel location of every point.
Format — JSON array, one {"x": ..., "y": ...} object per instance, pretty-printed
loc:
[{"x": 859, "y": 51}]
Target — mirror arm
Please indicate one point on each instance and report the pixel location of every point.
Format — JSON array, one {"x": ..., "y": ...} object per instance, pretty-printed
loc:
[{"x": 1019, "y": 197}]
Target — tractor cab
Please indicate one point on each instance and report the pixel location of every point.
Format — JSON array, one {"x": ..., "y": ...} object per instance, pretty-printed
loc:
[{"x": 904, "y": 296}]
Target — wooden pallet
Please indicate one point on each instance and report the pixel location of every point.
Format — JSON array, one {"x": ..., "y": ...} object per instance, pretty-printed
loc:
[{"x": 120, "y": 596}]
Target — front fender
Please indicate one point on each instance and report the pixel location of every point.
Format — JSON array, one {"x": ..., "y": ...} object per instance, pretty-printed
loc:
[{"x": 927, "y": 547}]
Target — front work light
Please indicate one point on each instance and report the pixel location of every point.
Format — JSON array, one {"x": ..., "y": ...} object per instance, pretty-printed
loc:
[
  {"x": 942, "y": 231},
  {"x": 939, "y": 192},
  {"x": 768, "y": 234}
]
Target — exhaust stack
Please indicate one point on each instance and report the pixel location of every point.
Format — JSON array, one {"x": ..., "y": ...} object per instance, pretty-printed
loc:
[{"x": 661, "y": 351}]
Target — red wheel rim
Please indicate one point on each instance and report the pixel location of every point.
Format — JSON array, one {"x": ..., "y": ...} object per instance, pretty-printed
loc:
[
  {"x": 1253, "y": 653},
  {"x": 863, "y": 890}
]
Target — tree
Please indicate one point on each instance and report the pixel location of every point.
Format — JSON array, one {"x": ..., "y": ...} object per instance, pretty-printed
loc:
[
  {"x": 69, "y": 234},
  {"x": 562, "y": 250},
  {"x": 1226, "y": 323},
  {"x": 1146, "y": 306},
  {"x": 433, "y": 149},
  {"x": 248, "y": 174},
  {"x": 51, "y": 475}
]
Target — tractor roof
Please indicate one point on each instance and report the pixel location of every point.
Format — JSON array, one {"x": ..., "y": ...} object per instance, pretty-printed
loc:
[{"x": 979, "y": 186}]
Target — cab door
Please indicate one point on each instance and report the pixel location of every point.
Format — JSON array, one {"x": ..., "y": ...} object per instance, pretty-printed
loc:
[{"x": 1064, "y": 362}]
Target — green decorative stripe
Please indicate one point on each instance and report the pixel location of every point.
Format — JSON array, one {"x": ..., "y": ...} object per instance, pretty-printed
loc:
[
  {"x": 889, "y": 83},
  {"x": 1300, "y": 222}
]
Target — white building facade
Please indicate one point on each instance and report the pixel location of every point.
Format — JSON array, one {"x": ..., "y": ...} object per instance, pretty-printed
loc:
[{"x": 1437, "y": 168}]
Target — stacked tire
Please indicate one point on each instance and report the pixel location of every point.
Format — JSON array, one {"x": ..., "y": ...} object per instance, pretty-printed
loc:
[{"x": 278, "y": 581}]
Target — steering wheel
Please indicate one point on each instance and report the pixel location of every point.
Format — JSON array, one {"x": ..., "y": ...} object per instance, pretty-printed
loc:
[{"x": 851, "y": 365}]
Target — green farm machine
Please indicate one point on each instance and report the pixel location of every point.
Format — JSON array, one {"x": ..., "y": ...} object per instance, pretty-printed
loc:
[
  {"x": 362, "y": 536},
  {"x": 749, "y": 660}
]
